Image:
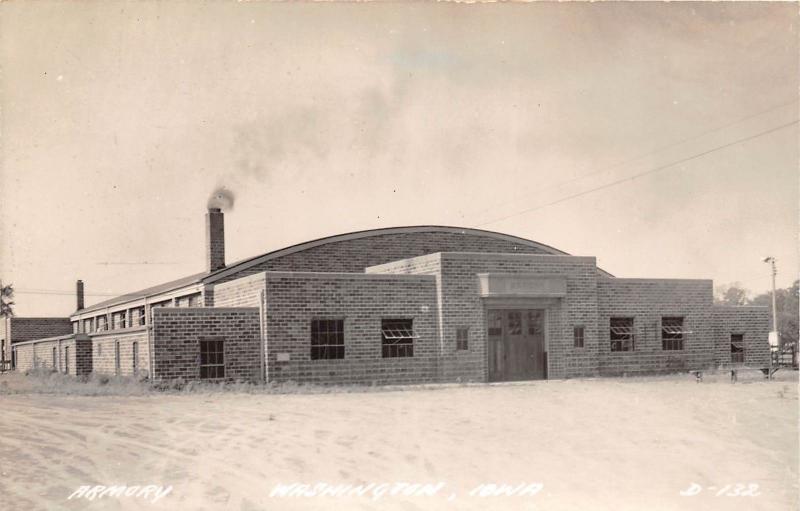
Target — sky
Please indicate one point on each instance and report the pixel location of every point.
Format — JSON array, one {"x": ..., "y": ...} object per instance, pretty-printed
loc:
[{"x": 661, "y": 138}]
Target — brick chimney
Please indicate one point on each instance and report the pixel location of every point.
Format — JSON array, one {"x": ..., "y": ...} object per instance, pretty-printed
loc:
[
  {"x": 79, "y": 293},
  {"x": 215, "y": 239}
]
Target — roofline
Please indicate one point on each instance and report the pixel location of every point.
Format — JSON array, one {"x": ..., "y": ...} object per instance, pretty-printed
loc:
[
  {"x": 299, "y": 247},
  {"x": 132, "y": 297}
]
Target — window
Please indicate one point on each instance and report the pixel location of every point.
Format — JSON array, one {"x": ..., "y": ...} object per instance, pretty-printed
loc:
[
  {"x": 75, "y": 327},
  {"x": 462, "y": 338},
  {"x": 327, "y": 339},
  {"x": 514, "y": 323},
  {"x": 577, "y": 336},
  {"x": 99, "y": 350},
  {"x": 55, "y": 361},
  {"x": 87, "y": 326},
  {"x": 621, "y": 334},
  {"x": 135, "y": 356},
  {"x": 212, "y": 358},
  {"x": 66, "y": 359},
  {"x": 737, "y": 348},
  {"x": 495, "y": 320},
  {"x": 116, "y": 358},
  {"x": 194, "y": 300},
  {"x": 397, "y": 338},
  {"x": 102, "y": 323},
  {"x": 120, "y": 320},
  {"x": 138, "y": 313},
  {"x": 672, "y": 334}
]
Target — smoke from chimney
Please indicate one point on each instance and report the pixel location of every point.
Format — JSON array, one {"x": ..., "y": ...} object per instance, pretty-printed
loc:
[
  {"x": 221, "y": 198},
  {"x": 79, "y": 294}
]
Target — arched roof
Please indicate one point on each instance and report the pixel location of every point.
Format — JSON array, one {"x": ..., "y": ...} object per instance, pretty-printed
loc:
[{"x": 253, "y": 261}]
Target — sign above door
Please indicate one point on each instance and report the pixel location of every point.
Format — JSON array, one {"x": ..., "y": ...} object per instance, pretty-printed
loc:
[{"x": 526, "y": 285}]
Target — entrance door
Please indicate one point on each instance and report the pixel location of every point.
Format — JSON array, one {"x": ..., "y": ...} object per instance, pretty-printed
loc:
[{"x": 516, "y": 344}]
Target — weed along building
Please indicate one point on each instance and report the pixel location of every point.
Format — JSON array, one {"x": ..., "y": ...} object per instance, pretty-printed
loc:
[{"x": 403, "y": 305}]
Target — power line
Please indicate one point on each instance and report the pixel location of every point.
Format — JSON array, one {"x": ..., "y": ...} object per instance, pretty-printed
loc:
[
  {"x": 640, "y": 174},
  {"x": 58, "y": 292},
  {"x": 654, "y": 151}
]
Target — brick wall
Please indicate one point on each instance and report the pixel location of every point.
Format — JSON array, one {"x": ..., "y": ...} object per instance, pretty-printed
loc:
[
  {"x": 176, "y": 333},
  {"x": 27, "y": 329},
  {"x": 753, "y": 322},
  {"x": 242, "y": 292},
  {"x": 647, "y": 301},
  {"x": 462, "y": 306},
  {"x": 104, "y": 352},
  {"x": 353, "y": 255},
  {"x": 39, "y": 354},
  {"x": 295, "y": 299}
]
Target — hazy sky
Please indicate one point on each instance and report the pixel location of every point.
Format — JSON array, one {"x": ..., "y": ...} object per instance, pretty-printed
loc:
[{"x": 118, "y": 120}]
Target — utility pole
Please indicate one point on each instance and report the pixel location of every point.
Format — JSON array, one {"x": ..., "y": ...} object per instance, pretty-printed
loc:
[{"x": 771, "y": 260}]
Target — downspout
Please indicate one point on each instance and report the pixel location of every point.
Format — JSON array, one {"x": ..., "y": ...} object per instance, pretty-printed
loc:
[
  {"x": 148, "y": 325},
  {"x": 262, "y": 312}
]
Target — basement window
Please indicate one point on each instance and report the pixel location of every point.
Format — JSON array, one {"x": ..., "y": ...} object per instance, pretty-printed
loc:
[
  {"x": 397, "y": 338},
  {"x": 212, "y": 358},
  {"x": 672, "y": 333},
  {"x": 462, "y": 338},
  {"x": 327, "y": 339},
  {"x": 621, "y": 334},
  {"x": 737, "y": 348},
  {"x": 577, "y": 336}
]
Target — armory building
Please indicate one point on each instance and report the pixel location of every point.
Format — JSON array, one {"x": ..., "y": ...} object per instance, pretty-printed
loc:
[{"x": 400, "y": 305}]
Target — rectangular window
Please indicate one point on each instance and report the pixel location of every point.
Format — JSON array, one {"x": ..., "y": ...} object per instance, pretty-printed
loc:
[
  {"x": 120, "y": 320},
  {"x": 397, "y": 338},
  {"x": 75, "y": 327},
  {"x": 139, "y": 315},
  {"x": 621, "y": 334},
  {"x": 737, "y": 348},
  {"x": 135, "y": 356},
  {"x": 99, "y": 350},
  {"x": 116, "y": 358},
  {"x": 102, "y": 323},
  {"x": 66, "y": 359},
  {"x": 577, "y": 336},
  {"x": 462, "y": 338},
  {"x": 212, "y": 358},
  {"x": 327, "y": 339},
  {"x": 672, "y": 334},
  {"x": 55, "y": 360},
  {"x": 88, "y": 326}
]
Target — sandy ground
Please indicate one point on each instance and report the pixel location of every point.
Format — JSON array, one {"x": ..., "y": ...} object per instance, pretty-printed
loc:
[{"x": 593, "y": 445}]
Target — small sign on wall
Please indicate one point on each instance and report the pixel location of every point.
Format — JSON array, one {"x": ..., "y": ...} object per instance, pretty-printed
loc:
[{"x": 283, "y": 357}]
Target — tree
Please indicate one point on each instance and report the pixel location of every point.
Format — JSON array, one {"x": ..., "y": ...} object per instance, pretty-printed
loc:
[
  {"x": 731, "y": 294},
  {"x": 6, "y": 300},
  {"x": 787, "y": 304}
]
